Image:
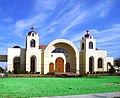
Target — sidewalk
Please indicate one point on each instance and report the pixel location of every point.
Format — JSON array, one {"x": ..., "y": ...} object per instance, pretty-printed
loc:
[{"x": 100, "y": 95}]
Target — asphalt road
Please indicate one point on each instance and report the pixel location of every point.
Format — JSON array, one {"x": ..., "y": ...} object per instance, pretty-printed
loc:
[{"x": 100, "y": 95}]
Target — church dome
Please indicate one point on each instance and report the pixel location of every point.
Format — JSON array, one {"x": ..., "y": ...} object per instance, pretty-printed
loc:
[
  {"x": 16, "y": 47},
  {"x": 32, "y": 32}
]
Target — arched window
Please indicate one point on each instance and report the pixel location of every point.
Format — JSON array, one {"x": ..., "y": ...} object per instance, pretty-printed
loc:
[
  {"x": 16, "y": 65},
  {"x": 90, "y": 45},
  {"x": 60, "y": 50},
  {"x": 91, "y": 64},
  {"x": 82, "y": 46},
  {"x": 32, "y": 43},
  {"x": 100, "y": 63},
  {"x": 33, "y": 34}
]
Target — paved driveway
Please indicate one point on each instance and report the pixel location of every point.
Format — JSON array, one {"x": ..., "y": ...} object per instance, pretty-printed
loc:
[{"x": 100, "y": 95}]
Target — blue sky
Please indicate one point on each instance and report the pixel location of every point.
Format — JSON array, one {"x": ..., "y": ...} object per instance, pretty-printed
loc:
[{"x": 53, "y": 19}]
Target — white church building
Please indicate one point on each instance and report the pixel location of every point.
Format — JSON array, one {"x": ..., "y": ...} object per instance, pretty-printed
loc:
[{"x": 60, "y": 55}]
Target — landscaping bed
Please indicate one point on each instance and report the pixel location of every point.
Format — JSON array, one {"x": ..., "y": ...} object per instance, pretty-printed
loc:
[{"x": 37, "y": 87}]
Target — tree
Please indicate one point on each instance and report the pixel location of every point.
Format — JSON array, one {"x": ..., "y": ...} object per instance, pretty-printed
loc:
[
  {"x": 1, "y": 70},
  {"x": 117, "y": 62}
]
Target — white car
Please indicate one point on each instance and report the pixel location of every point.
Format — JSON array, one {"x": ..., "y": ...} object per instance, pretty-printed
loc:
[{"x": 2, "y": 74}]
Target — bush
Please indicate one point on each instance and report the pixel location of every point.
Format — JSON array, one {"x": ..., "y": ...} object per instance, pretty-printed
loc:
[
  {"x": 9, "y": 72},
  {"x": 50, "y": 73},
  {"x": 112, "y": 70},
  {"x": 37, "y": 72}
]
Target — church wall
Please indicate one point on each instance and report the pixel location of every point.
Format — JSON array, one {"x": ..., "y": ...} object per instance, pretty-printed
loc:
[
  {"x": 23, "y": 59},
  {"x": 82, "y": 62},
  {"x": 29, "y": 38},
  {"x": 12, "y": 53},
  {"x": 42, "y": 62},
  {"x": 87, "y": 44},
  {"x": 101, "y": 54},
  {"x": 109, "y": 60},
  {"x": 37, "y": 55},
  {"x": 54, "y": 56},
  {"x": 96, "y": 54}
]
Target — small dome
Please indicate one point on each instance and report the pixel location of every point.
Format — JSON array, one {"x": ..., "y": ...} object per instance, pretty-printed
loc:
[
  {"x": 32, "y": 32},
  {"x": 16, "y": 47}
]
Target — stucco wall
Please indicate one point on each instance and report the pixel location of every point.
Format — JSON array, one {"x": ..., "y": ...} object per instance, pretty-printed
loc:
[
  {"x": 12, "y": 53},
  {"x": 37, "y": 54}
]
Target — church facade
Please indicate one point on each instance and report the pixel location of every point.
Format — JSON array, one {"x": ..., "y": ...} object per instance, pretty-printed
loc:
[{"x": 59, "y": 56}]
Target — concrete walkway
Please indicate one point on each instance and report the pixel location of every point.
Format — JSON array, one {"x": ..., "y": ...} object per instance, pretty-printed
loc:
[{"x": 100, "y": 95}]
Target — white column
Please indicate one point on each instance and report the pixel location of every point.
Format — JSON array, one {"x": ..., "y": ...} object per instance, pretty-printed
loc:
[{"x": 77, "y": 64}]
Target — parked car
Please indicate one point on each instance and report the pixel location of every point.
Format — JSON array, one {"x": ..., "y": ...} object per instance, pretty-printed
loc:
[{"x": 2, "y": 75}]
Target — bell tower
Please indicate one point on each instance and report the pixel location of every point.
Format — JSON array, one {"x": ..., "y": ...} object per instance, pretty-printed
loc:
[
  {"x": 88, "y": 43},
  {"x": 32, "y": 40},
  {"x": 33, "y": 53}
]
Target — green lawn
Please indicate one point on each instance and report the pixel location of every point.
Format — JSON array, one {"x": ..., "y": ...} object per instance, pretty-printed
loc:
[{"x": 36, "y": 87}]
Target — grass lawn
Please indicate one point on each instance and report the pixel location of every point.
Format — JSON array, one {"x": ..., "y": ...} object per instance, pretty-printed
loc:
[{"x": 36, "y": 87}]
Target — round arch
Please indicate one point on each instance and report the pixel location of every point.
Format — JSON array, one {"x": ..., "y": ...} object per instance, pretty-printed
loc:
[
  {"x": 100, "y": 62},
  {"x": 61, "y": 41},
  {"x": 32, "y": 43},
  {"x": 91, "y": 64},
  {"x": 33, "y": 64},
  {"x": 16, "y": 65},
  {"x": 73, "y": 53}
]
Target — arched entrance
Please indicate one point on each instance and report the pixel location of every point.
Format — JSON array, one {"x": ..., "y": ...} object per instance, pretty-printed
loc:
[
  {"x": 59, "y": 65},
  {"x": 67, "y": 67},
  {"x": 51, "y": 67},
  {"x": 91, "y": 64},
  {"x": 16, "y": 65},
  {"x": 32, "y": 62},
  {"x": 58, "y": 46}
]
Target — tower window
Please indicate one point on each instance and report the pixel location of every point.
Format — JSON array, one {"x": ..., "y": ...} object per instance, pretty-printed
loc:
[
  {"x": 100, "y": 63},
  {"x": 90, "y": 45},
  {"x": 32, "y": 43},
  {"x": 82, "y": 46},
  {"x": 32, "y": 34}
]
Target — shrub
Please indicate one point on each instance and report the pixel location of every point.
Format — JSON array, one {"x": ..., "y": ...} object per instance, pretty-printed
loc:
[{"x": 37, "y": 72}]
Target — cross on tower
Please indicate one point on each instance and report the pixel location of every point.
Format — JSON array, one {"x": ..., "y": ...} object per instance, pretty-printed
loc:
[
  {"x": 87, "y": 31},
  {"x": 32, "y": 28}
]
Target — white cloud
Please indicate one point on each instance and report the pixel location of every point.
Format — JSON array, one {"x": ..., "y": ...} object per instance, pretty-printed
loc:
[
  {"x": 78, "y": 20},
  {"x": 105, "y": 7},
  {"x": 21, "y": 25},
  {"x": 80, "y": 15},
  {"x": 51, "y": 30},
  {"x": 45, "y": 5}
]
